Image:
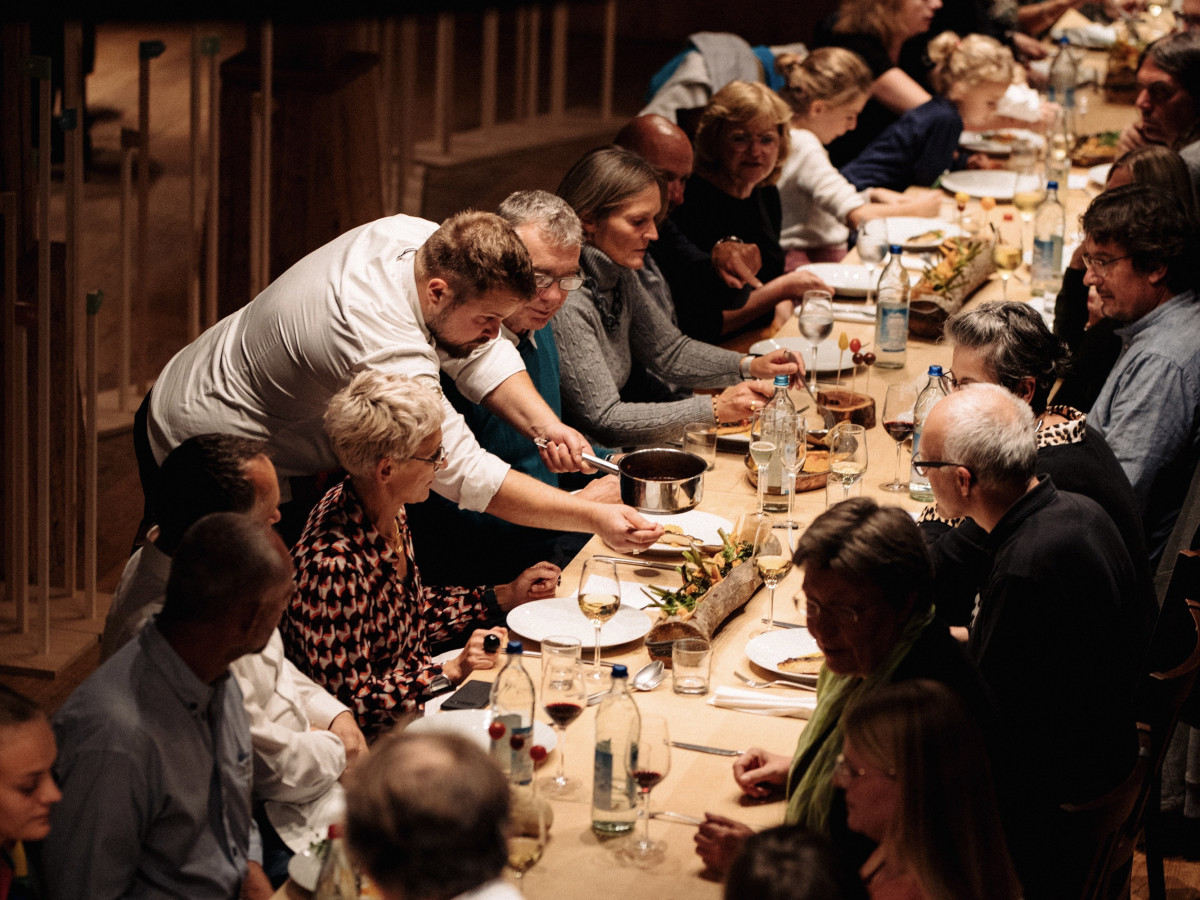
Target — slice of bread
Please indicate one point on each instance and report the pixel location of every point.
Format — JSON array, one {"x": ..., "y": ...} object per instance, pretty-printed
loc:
[{"x": 809, "y": 664}]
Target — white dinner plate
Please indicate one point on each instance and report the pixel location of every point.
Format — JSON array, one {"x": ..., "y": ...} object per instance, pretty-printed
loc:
[
  {"x": 829, "y": 358},
  {"x": 560, "y": 615},
  {"x": 769, "y": 650},
  {"x": 903, "y": 230},
  {"x": 852, "y": 281},
  {"x": 1098, "y": 175},
  {"x": 700, "y": 525},
  {"x": 304, "y": 868},
  {"x": 999, "y": 143},
  {"x": 473, "y": 724},
  {"x": 993, "y": 183}
]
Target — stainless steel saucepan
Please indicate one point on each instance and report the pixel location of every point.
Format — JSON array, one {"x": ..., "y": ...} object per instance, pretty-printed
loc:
[{"x": 658, "y": 479}]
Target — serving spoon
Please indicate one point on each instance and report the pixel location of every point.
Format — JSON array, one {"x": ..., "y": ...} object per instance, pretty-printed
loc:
[{"x": 647, "y": 678}]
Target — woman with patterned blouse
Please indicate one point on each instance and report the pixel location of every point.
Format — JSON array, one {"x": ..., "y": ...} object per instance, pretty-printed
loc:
[{"x": 361, "y": 623}]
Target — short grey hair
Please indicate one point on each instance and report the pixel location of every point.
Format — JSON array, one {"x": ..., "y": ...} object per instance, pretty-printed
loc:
[
  {"x": 550, "y": 213},
  {"x": 1014, "y": 343},
  {"x": 992, "y": 432},
  {"x": 380, "y": 415}
]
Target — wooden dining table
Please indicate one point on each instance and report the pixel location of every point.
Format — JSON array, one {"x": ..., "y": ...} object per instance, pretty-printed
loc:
[{"x": 580, "y": 864}]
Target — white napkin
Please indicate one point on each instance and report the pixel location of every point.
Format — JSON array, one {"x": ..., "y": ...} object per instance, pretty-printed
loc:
[
  {"x": 797, "y": 704},
  {"x": 854, "y": 312},
  {"x": 1020, "y": 101}
]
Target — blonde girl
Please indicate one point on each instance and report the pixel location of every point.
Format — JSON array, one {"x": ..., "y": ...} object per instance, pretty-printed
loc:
[
  {"x": 826, "y": 91},
  {"x": 970, "y": 75}
]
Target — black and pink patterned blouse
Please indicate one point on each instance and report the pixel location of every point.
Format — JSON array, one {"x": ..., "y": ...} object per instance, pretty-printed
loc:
[{"x": 359, "y": 628}]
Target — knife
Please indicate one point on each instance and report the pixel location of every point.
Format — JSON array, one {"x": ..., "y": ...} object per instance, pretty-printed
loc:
[
  {"x": 779, "y": 624},
  {"x": 701, "y": 748}
]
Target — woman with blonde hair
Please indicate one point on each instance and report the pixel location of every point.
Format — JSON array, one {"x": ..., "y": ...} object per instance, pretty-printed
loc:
[
  {"x": 826, "y": 90},
  {"x": 361, "y": 623},
  {"x": 970, "y": 75},
  {"x": 876, "y": 30},
  {"x": 917, "y": 780},
  {"x": 27, "y": 790},
  {"x": 741, "y": 145}
]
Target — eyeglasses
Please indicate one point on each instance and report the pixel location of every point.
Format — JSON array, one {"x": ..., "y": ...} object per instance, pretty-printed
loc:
[
  {"x": 437, "y": 460},
  {"x": 741, "y": 140},
  {"x": 923, "y": 466},
  {"x": 955, "y": 382},
  {"x": 1100, "y": 266},
  {"x": 567, "y": 282},
  {"x": 844, "y": 770},
  {"x": 839, "y": 615}
]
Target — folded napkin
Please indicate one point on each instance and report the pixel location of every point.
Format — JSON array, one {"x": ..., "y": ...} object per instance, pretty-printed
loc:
[
  {"x": 854, "y": 312},
  {"x": 799, "y": 705}
]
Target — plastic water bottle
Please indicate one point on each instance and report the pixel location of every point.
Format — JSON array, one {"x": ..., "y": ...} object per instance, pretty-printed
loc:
[
  {"x": 1049, "y": 227},
  {"x": 1064, "y": 73},
  {"x": 934, "y": 390},
  {"x": 777, "y": 417},
  {"x": 336, "y": 880},
  {"x": 614, "y": 793},
  {"x": 891, "y": 314},
  {"x": 511, "y": 728}
]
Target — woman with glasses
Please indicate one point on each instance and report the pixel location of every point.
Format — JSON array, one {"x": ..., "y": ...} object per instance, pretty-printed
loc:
[
  {"x": 622, "y": 356},
  {"x": 915, "y": 774},
  {"x": 867, "y": 591},
  {"x": 361, "y": 623}
]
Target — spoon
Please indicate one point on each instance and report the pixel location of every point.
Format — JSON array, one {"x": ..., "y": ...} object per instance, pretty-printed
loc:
[{"x": 649, "y": 676}]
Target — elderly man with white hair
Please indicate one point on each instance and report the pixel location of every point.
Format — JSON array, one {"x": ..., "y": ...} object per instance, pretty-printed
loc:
[{"x": 1051, "y": 631}]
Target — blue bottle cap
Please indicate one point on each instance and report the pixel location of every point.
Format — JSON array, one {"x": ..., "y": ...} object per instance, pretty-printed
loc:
[
  {"x": 895, "y": 249},
  {"x": 514, "y": 647},
  {"x": 619, "y": 671},
  {"x": 935, "y": 371},
  {"x": 781, "y": 380},
  {"x": 1052, "y": 185}
]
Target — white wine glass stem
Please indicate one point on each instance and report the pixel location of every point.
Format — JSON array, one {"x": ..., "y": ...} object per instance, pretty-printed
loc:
[
  {"x": 771, "y": 583},
  {"x": 596, "y": 652},
  {"x": 762, "y": 487}
]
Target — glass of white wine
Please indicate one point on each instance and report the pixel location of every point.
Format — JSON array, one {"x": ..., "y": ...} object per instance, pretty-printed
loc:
[
  {"x": 772, "y": 563},
  {"x": 848, "y": 454},
  {"x": 761, "y": 452},
  {"x": 528, "y": 840},
  {"x": 794, "y": 453},
  {"x": 599, "y": 600},
  {"x": 871, "y": 245},
  {"x": 1006, "y": 249},
  {"x": 816, "y": 323},
  {"x": 1029, "y": 189}
]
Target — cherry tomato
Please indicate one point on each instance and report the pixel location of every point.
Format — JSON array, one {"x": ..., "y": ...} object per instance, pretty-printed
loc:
[
  {"x": 537, "y": 753},
  {"x": 517, "y": 741},
  {"x": 869, "y": 358},
  {"x": 497, "y": 730},
  {"x": 855, "y": 344}
]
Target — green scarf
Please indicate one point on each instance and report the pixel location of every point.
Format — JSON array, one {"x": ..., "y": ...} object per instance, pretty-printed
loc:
[{"x": 810, "y": 778}]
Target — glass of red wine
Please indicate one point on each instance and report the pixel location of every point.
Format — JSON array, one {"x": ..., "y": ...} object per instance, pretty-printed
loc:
[
  {"x": 898, "y": 423},
  {"x": 647, "y": 763},
  {"x": 564, "y": 696}
]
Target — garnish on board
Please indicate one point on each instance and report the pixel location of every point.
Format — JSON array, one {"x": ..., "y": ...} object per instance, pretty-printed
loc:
[{"x": 698, "y": 575}]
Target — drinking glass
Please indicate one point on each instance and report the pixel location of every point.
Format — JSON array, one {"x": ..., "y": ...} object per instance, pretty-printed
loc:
[
  {"x": 753, "y": 529},
  {"x": 761, "y": 452},
  {"x": 525, "y": 848},
  {"x": 563, "y": 697},
  {"x": 794, "y": 453},
  {"x": 872, "y": 246},
  {"x": 848, "y": 454},
  {"x": 898, "y": 423},
  {"x": 647, "y": 763},
  {"x": 1006, "y": 249},
  {"x": 816, "y": 322},
  {"x": 772, "y": 563},
  {"x": 599, "y": 600},
  {"x": 1029, "y": 190}
]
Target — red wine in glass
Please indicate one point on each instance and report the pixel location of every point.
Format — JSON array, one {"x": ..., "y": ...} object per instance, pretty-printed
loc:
[
  {"x": 647, "y": 778},
  {"x": 563, "y": 714},
  {"x": 899, "y": 430}
]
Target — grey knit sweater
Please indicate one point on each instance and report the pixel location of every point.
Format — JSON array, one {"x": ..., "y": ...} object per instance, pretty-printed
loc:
[{"x": 614, "y": 323}]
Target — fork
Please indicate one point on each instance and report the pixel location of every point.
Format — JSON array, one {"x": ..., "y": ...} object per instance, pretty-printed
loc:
[{"x": 750, "y": 682}]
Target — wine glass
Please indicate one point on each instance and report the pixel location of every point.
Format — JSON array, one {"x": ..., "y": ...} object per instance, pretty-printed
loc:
[
  {"x": 793, "y": 454},
  {"x": 848, "y": 454},
  {"x": 599, "y": 600},
  {"x": 753, "y": 529},
  {"x": 772, "y": 563},
  {"x": 525, "y": 847},
  {"x": 872, "y": 246},
  {"x": 761, "y": 452},
  {"x": 563, "y": 697},
  {"x": 1029, "y": 189},
  {"x": 816, "y": 322},
  {"x": 1006, "y": 249},
  {"x": 647, "y": 763},
  {"x": 898, "y": 423}
]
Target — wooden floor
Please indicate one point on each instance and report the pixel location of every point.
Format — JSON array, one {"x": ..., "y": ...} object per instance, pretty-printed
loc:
[{"x": 112, "y": 98}]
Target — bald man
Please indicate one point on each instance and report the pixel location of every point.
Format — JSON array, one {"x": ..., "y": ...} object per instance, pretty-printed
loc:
[{"x": 715, "y": 290}]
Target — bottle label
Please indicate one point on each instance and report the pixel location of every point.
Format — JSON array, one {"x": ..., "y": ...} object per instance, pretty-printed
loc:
[
  {"x": 891, "y": 328},
  {"x": 1047, "y": 255},
  {"x": 602, "y": 777}
]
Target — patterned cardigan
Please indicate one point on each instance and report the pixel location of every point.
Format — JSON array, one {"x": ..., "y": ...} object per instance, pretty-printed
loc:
[{"x": 359, "y": 628}]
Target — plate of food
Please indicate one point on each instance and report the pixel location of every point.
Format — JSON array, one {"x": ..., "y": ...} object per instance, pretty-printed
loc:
[
  {"x": 999, "y": 142},
  {"x": 473, "y": 724},
  {"x": 560, "y": 615},
  {"x": 1094, "y": 149},
  {"x": 790, "y": 652},
  {"x": 994, "y": 183},
  {"x": 830, "y": 358},
  {"x": 914, "y": 233},
  {"x": 686, "y": 529},
  {"x": 854, "y": 281}
]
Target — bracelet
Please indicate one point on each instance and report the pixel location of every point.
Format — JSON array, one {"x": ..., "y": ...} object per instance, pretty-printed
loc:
[
  {"x": 744, "y": 367},
  {"x": 729, "y": 239},
  {"x": 716, "y": 418}
]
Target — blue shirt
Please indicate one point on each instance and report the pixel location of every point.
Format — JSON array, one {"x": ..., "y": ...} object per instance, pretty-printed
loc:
[
  {"x": 1149, "y": 411},
  {"x": 155, "y": 768},
  {"x": 915, "y": 149}
]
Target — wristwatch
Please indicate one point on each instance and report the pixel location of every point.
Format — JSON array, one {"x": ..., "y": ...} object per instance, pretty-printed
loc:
[
  {"x": 438, "y": 686},
  {"x": 728, "y": 239}
]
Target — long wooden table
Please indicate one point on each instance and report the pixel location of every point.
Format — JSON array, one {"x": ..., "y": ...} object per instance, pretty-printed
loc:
[{"x": 579, "y": 863}]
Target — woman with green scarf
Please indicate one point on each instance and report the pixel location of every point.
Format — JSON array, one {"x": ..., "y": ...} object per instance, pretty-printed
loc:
[{"x": 867, "y": 588}]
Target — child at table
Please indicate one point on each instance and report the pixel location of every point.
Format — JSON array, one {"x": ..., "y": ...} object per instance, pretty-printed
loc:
[
  {"x": 970, "y": 76},
  {"x": 827, "y": 90}
]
